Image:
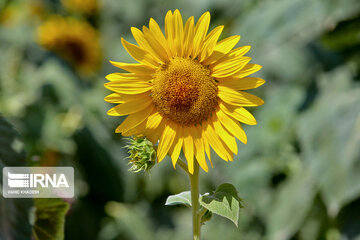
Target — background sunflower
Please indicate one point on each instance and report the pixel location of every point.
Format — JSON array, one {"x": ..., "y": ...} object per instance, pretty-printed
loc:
[
  {"x": 74, "y": 40},
  {"x": 298, "y": 173}
]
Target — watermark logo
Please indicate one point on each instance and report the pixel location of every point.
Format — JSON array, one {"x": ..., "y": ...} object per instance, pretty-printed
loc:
[{"x": 38, "y": 182}]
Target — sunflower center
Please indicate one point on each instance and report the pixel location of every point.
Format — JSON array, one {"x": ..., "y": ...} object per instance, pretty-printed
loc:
[
  {"x": 184, "y": 91},
  {"x": 73, "y": 50}
]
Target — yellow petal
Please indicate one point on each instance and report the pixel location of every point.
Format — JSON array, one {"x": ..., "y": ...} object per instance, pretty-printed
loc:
[
  {"x": 158, "y": 47},
  {"x": 134, "y": 67},
  {"x": 139, "y": 54},
  {"x": 239, "y": 98},
  {"x": 210, "y": 43},
  {"x": 214, "y": 140},
  {"x": 188, "y": 148},
  {"x": 199, "y": 148},
  {"x": 130, "y": 107},
  {"x": 189, "y": 32},
  {"x": 179, "y": 32},
  {"x": 170, "y": 32},
  {"x": 207, "y": 148},
  {"x": 128, "y": 87},
  {"x": 143, "y": 43},
  {"x": 154, "y": 134},
  {"x": 134, "y": 120},
  {"x": 221, "y": 49},
  {"x": 154, "y": 34},
  {"x": 241, "y": 51},
  {"x": 225, "y": 45},
  {"x": 154, "y": 120},
  {"x": 166, "y": 140},
  {"x": 233, "y": 55},
  {"x": 127, "y": 81},
  {"x": 128, "y": 76},
  {"x": 168, "y": 25},
  {"x": 232, "y": 126},
  {"x": 229, "y": 67},
  {"x": 121, "y": 98},
  {"x": 177, "y": 145},
  {"x": 114, "y": 98},
  {"x": 247, "y": 70},
  {"x": 201, "y": 30},
  {"x": 239, "y": 113},
  {"x": 227, "y": 138},
  {"x": 241, "y": 83},
  {"x": 136, "y": 131},
  {"x": 230, "y": 154}
]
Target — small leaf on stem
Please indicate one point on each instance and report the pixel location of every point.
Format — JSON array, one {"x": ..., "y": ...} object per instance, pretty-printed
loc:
[{"x": 181, "y": 198}]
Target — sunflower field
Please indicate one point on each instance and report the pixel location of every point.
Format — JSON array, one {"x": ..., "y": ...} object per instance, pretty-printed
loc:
[{"x": 296, "y": 171}]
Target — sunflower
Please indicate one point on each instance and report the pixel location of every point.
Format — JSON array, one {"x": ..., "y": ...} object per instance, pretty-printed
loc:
[
  {"x": 186, "y": 91},
  {"x": 75, "y": 40}
]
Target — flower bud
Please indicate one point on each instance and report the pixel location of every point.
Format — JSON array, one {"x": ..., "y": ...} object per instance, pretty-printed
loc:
[{"x": 142, "y": 154}]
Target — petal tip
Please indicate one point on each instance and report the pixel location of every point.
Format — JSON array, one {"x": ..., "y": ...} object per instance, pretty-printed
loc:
[
  {"x": 113, "y": 63},
  {"x": 261, "y": 81},
  {"x": 107, "y": 77},
  {"x": 168, "y": 13},
  {"x": 151, "y": 21}
]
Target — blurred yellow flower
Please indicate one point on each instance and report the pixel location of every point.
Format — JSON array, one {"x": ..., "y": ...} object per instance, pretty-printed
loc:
[
  {"x": 186, "y": 90},
  {"x": 7, "y": 14},
  {"x": 75, "y": 40},
  {"x": 16, "y": 12},
  {"x": 81, "y": 6}
]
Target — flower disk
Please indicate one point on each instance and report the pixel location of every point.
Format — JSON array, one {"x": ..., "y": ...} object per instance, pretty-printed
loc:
[{"x": 184, "y": 91}]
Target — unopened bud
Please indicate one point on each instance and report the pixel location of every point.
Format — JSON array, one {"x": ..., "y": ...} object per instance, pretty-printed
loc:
[{"x": 142, "y": 154}]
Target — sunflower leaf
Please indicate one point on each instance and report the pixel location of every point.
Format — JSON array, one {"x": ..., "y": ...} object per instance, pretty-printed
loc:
[
  {"x": 181, "y": 198},
  {"x": 224, "y": 202}
]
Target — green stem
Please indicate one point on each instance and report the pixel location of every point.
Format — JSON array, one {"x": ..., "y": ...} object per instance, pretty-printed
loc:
[{"x": 194, "y": 187}]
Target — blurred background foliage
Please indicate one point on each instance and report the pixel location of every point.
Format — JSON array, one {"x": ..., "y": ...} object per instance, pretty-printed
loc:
[{"x": 299, "y": 174}]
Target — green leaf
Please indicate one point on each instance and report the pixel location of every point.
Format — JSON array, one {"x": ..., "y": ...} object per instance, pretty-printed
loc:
[
  {"x": 224, "y": 202},
  {"x": 181, "y": 198},
  {"x": 50, "y": 218},
  {"x": 297, "y": 192},
  {"x": 329, "y": 134},
  {"x": 14, "y": 212}
]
